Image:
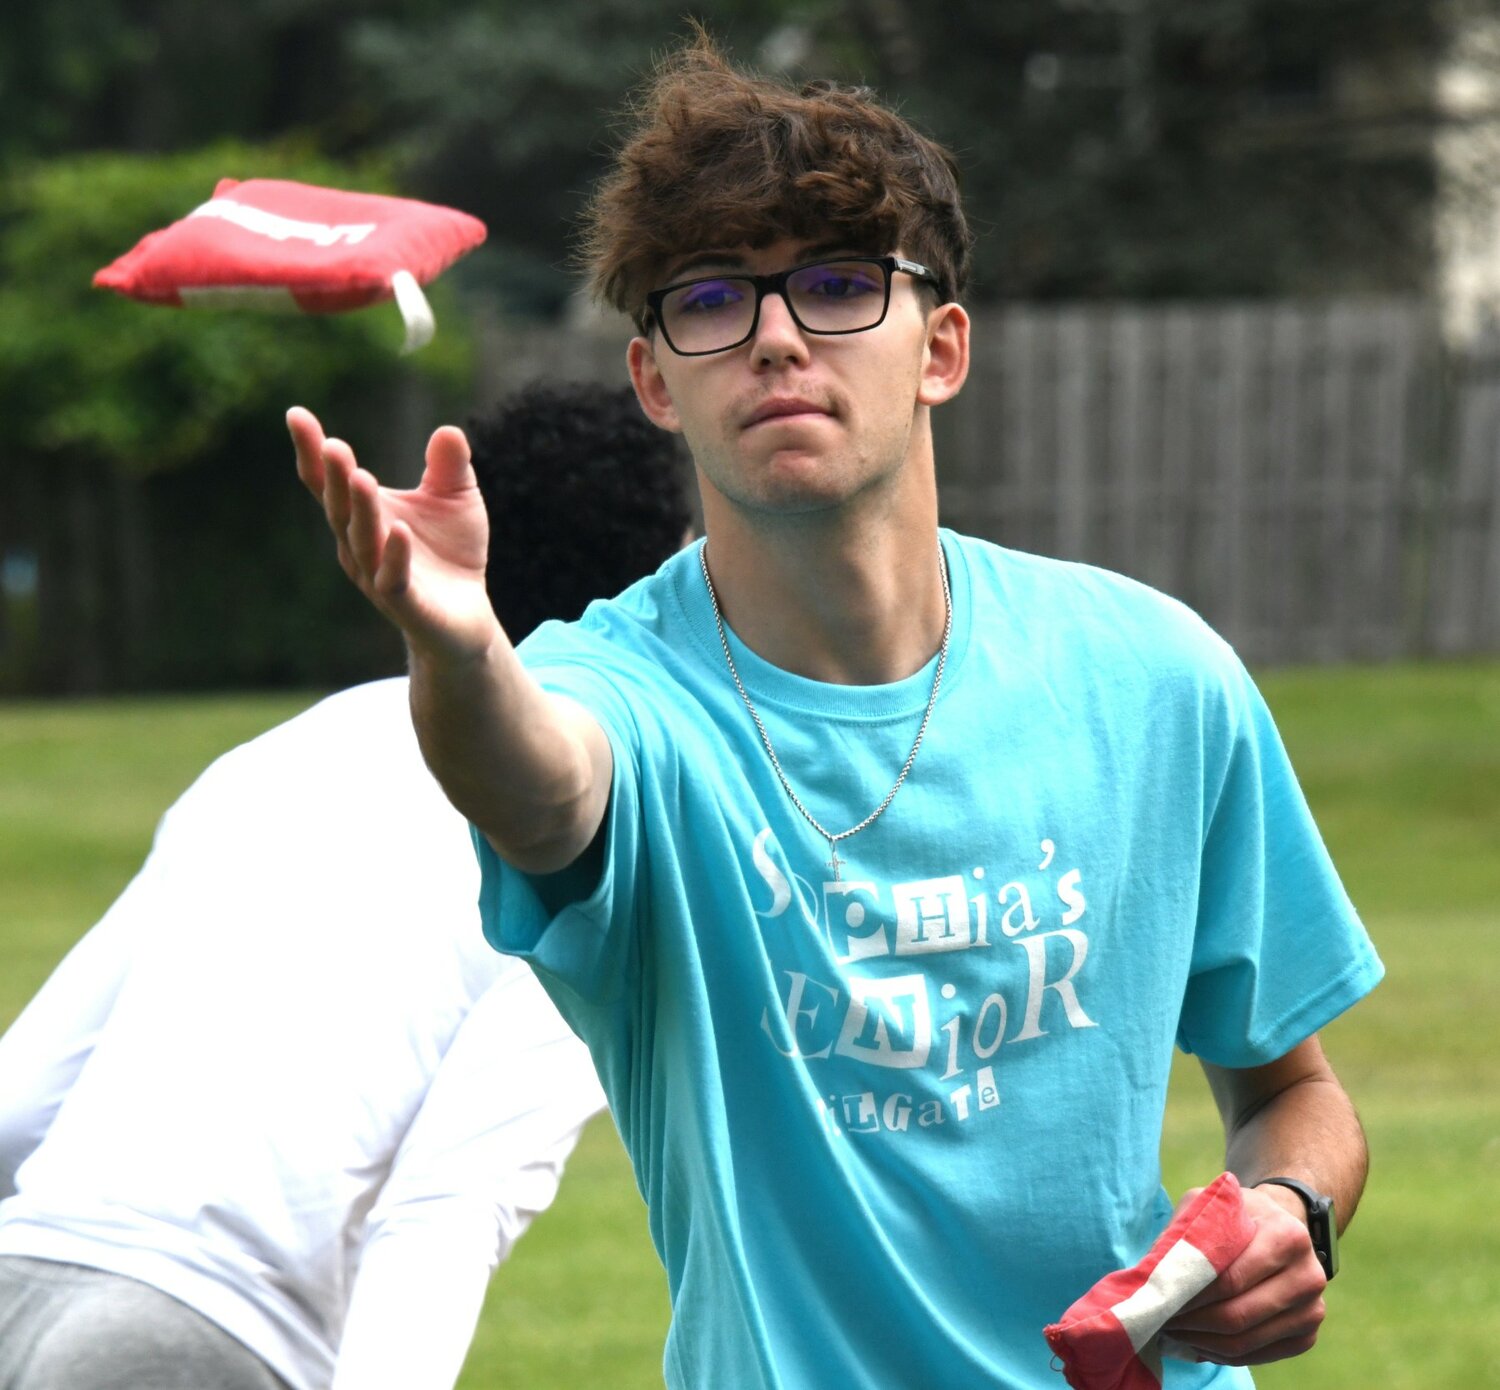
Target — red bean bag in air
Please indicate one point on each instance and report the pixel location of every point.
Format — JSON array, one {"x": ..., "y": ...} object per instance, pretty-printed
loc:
[{"x": 271, "y": 243}]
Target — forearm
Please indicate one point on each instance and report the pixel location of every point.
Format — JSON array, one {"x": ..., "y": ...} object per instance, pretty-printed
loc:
[
  {"x": 531, "y": 771},
  {"x": 1303, "y": 1126},
  {"x": 1288, "y": 1118},
  {"x": 416, "y": 1302}
]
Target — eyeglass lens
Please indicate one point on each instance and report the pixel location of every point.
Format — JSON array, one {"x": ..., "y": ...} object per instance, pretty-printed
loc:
[{"x": 829, "y": 297}]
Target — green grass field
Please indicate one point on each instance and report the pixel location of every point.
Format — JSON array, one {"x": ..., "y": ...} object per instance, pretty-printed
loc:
[{"x": 1402, "y": 766}]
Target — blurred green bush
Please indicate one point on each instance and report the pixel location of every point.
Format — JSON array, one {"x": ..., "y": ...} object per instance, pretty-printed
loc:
[{"x": 150, "y": 522}]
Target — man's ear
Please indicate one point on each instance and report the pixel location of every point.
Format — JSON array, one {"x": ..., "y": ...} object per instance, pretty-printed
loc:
[
  {"x": 945, "y": 361},
  {"x": 650, "y": 390}
]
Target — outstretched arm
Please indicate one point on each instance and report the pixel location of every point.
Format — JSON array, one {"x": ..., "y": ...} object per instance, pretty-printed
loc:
[
  {"x": 1290, "y": 1118},
  {"x": 532, "y": 771}
]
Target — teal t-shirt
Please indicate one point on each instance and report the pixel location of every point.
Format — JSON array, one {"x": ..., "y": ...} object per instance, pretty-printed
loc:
[{"x": 889, "y": 1126}]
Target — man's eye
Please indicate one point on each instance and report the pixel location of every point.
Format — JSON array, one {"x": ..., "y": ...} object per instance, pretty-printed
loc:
[
  {"x": 703, "y": 299},
  {"x": 844, "y": 286}
]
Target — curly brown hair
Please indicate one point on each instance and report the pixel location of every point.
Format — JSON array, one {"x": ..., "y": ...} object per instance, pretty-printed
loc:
[
  {"x": 584, "y": 495},
  {"x": 715, "y": 157}
]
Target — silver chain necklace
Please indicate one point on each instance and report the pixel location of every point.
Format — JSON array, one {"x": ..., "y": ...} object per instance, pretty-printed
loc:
[{"x": 834, "y": 862}]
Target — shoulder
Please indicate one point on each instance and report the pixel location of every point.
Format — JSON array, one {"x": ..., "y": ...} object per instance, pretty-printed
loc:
[
  {"x": 1091, "y": 607},
  {"x": 646, "y": 636},
  {"x": 339, "y": 757},
  {"x": 646, "y": 664},
  {"x": 1082, "y": 628},
  {"x": 337, "y": 724}
]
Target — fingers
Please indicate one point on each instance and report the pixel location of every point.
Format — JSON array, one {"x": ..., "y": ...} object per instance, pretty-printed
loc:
[
  {"x": 393, "y": 576},
  {"x": 365, "y": 526},
  {"x": 356, "y": 517},
  {"x": 350, "y": 499},
  {"x": 1268, "y": 1305},
  {"x": 1279, "y": 1258},
  {"x": 1243, "y": 1303},
  {"x": 448, "y": 469},
  {"x": 339, "y": 469},
  {"x": 418, "y": 555},
  {"x": 1289, "y": 1333},
  {"x": 307, "y": 440},
  {"x": 378, "y": 549}
]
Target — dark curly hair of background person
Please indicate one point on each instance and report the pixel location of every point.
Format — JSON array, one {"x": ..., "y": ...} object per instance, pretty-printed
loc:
[{"x": 585, "y": 496}]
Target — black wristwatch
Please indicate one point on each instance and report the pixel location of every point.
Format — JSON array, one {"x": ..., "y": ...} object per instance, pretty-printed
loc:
[{"x": 1320, "y": 1223}]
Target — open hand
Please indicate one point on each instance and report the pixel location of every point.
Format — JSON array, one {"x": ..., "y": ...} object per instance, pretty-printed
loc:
[{"x": 417, "y": 554}]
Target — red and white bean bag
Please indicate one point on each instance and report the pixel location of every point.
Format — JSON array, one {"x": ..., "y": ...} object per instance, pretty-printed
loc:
[
  {"x": 272, "y": 243},
  {"x": 1110, "y": 1338}
]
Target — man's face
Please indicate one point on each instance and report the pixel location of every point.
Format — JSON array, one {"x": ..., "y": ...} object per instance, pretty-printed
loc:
[{"x": 793, "y": 421}]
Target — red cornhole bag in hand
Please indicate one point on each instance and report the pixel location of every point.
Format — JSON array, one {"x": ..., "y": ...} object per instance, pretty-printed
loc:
[
  {"x": 1110, "y": 1338},
  {"x": 269, "y": 243}
]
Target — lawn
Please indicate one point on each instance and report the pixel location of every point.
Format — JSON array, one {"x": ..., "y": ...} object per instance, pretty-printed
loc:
[{"x": 1402, "y": 766}]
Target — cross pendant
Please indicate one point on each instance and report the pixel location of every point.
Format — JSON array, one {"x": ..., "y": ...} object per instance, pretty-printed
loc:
[{"x": 835, "y": 862}]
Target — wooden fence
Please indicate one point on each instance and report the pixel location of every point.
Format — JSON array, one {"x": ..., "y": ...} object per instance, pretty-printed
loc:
[
  {"x": 1320, "y": 481},
  {"x": 1462, "y": 551}
]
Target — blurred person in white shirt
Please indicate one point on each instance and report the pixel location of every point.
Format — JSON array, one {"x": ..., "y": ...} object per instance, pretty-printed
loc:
[{"x": 277, "y": 1117}]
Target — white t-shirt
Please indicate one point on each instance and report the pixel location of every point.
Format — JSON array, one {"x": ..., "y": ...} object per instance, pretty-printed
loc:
[{"x": 284, "y": 1079}]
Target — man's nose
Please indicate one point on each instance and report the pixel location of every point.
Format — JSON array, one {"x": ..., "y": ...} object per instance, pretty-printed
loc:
[{"x": 777, "y": 336}]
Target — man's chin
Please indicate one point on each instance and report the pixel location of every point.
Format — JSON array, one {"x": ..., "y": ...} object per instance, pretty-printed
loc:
[{"x": 799, "y": 485}]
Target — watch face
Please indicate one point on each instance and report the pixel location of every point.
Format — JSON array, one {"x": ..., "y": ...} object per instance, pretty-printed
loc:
[{"x": 1325, "y": 1237}]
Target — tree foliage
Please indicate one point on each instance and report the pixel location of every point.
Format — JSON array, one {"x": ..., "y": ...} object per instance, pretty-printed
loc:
[
  {"x": 506, "y": 109},
  {"x": 1129, "y": 148},
  {"x": 1118, "y": 148},
  {"x": 146, "y": 388},
  {"x": 99, "y": 393},
  {"x": 1110, "y": 148}
]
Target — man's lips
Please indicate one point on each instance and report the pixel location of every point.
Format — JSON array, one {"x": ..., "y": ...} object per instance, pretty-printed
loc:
[{"x": 784, "y": 408}]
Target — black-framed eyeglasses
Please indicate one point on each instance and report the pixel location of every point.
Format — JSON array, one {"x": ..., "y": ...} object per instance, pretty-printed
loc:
[{"x": 844, "y": 294}]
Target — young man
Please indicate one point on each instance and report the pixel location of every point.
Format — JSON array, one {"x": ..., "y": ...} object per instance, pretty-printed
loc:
[
  {"x": 277, "y": 1117},
  {"x": 880, "y": 868}
]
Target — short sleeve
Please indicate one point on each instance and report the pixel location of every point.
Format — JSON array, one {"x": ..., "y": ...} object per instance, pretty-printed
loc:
[
  {"x": 577, "y": 927},
  {"x": 1279, "y": 950}
]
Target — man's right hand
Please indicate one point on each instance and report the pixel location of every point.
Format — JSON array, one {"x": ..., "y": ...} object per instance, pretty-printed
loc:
[{"x": 417, "y": 554}]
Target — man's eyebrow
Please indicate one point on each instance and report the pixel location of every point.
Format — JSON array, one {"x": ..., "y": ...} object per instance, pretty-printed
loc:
[
  {"x": 706, "y": 260},
  {"x": 731, "y": 262},
  {"x": 830, "y": 248}
]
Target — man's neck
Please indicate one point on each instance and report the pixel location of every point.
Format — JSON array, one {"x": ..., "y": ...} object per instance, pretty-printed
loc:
[{"x": 837, "y": 596}]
